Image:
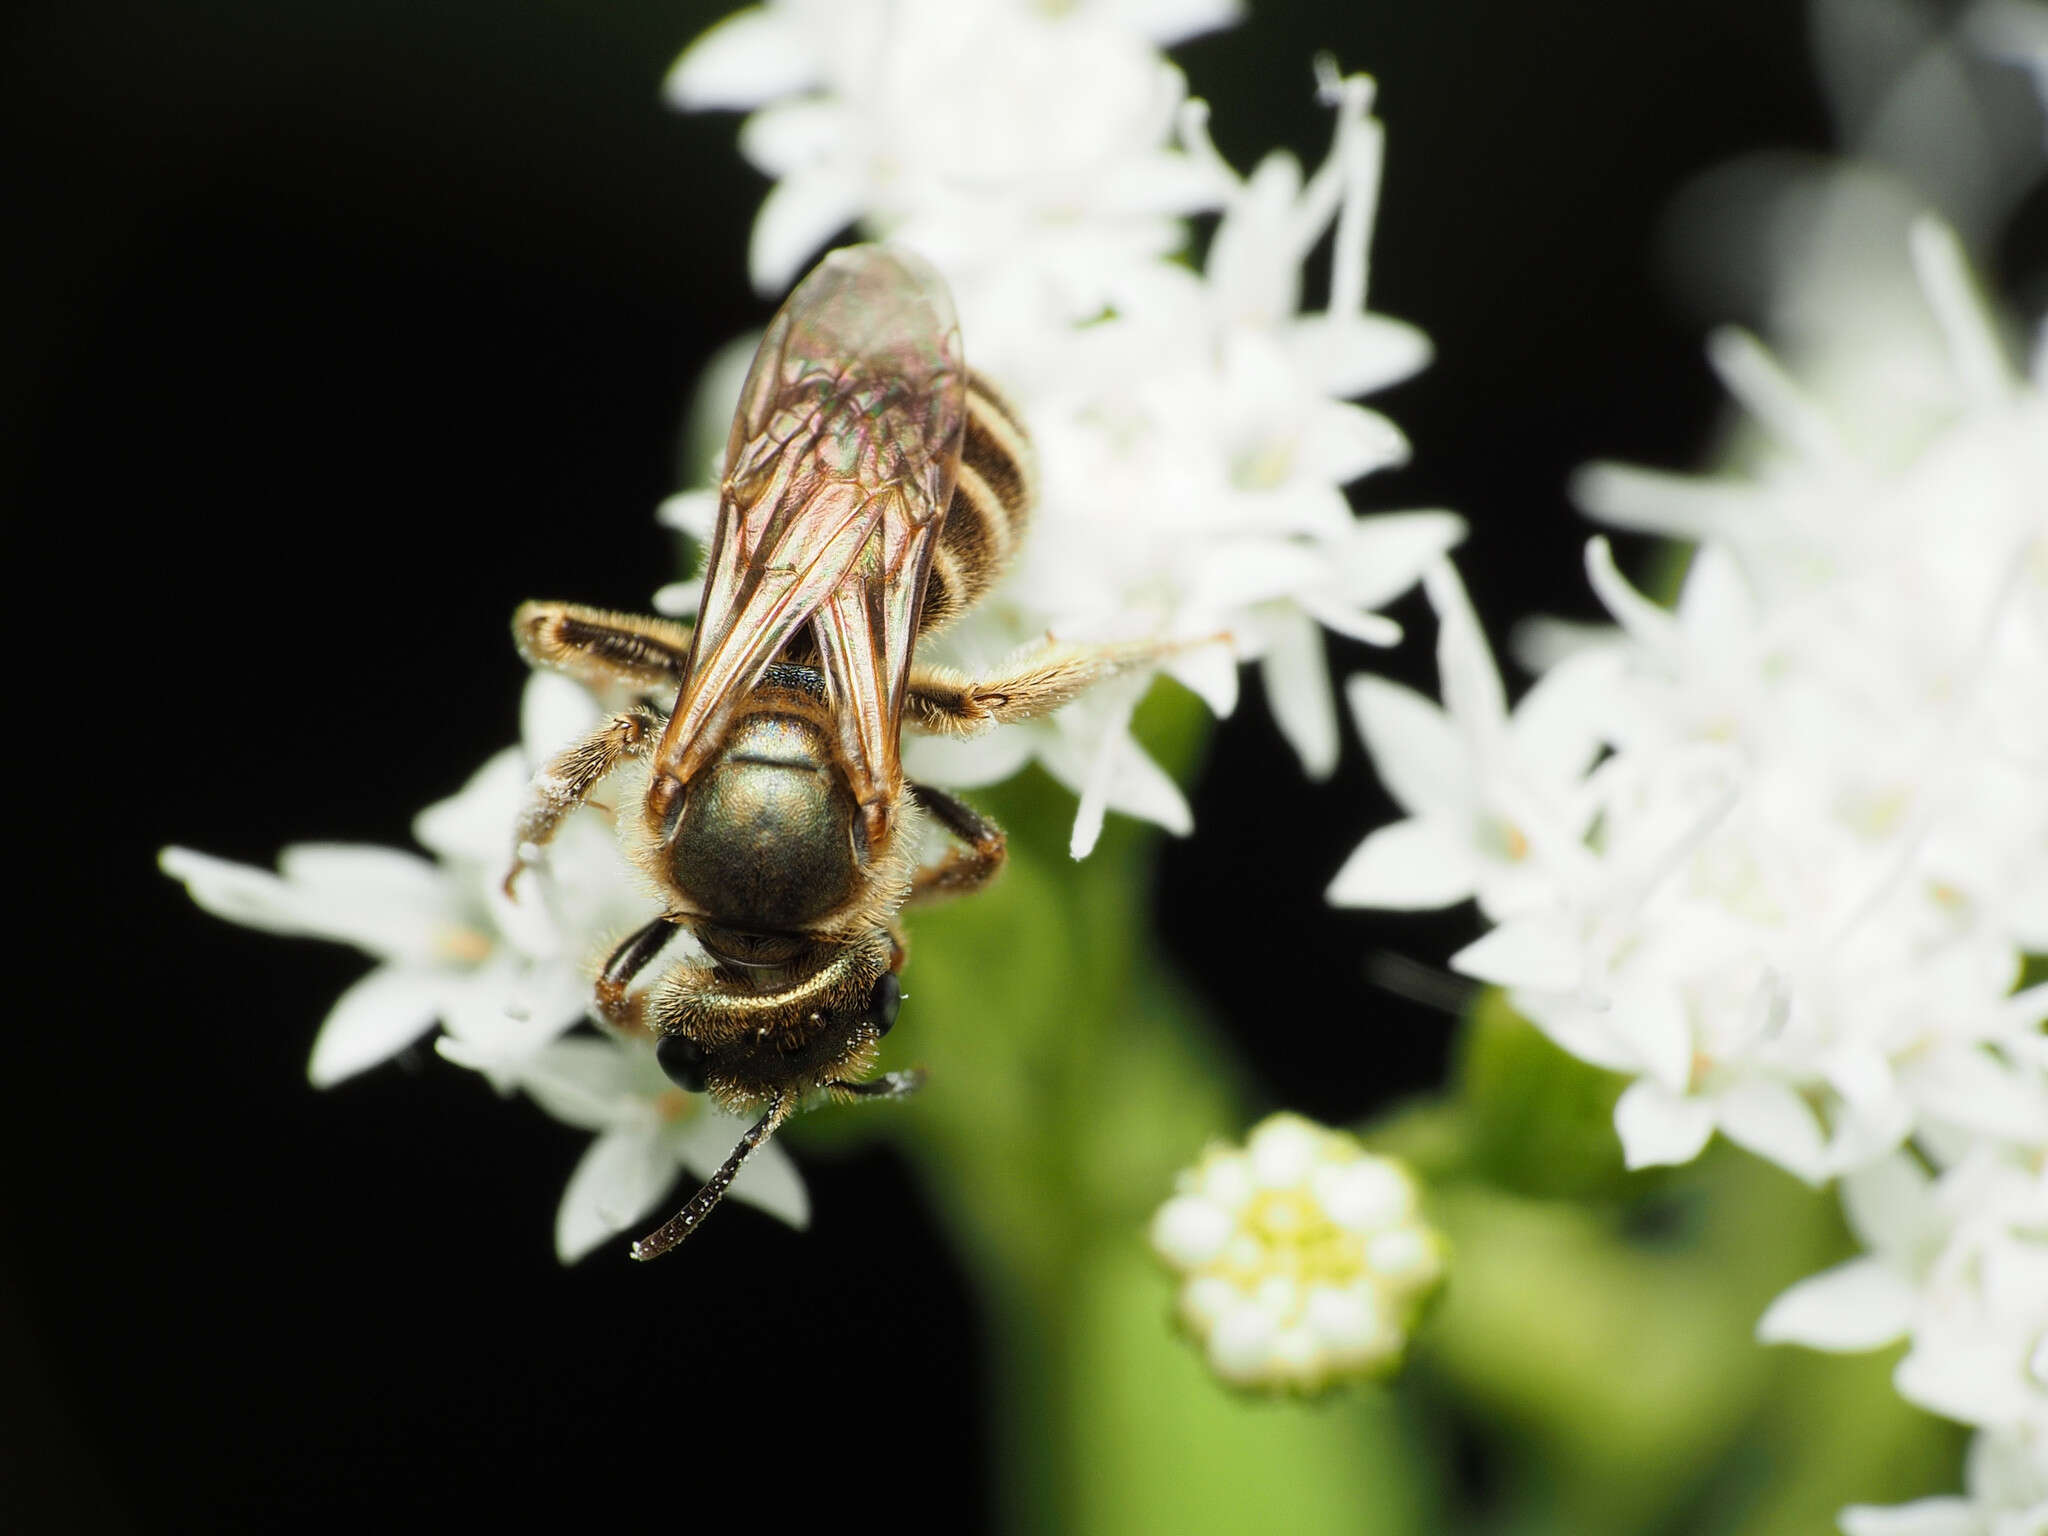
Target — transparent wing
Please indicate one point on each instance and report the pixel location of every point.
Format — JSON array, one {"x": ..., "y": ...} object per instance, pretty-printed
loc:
[{"x": 840, "y": 464}]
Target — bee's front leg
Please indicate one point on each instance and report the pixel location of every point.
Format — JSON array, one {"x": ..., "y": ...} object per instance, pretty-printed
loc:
[
  {"x": 567, "y": 781},
  {"x": 634, "y": 954}
]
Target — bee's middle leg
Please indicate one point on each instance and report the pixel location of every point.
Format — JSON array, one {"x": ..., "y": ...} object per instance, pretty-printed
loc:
[{"x": 968, "y": 867}]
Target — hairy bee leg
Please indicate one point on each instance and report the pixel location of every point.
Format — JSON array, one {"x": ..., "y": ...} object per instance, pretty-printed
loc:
[
  {"x": 941, "y": 702},
  {"x": 890, "y": 1085},
  {"x": 600, "y": 649},
  {"x": 965, "y": 868},
  {"x": 633, "y": 956},
  {"x": 567, "y": 781},
  {"x": 687, "y": 1220}
]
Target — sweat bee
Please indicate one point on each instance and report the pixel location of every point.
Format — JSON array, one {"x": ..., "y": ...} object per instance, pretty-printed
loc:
[{"x": 874, "y": 489}]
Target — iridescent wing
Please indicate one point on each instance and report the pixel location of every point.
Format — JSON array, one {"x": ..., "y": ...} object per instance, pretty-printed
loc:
[{"x": 839, "y": 468}]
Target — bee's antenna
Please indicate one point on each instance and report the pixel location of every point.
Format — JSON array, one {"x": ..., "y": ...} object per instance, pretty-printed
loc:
[{"x": 687, "y": 1220}]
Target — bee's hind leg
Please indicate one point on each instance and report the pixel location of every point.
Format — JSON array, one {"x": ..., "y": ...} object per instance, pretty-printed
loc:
[
  {"x": 942, "y": 702},
  {"x": 604, "y": 651}
]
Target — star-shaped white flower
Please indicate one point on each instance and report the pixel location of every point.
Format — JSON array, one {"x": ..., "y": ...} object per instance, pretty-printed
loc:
[
  {"x": 451, "y": 947},
  {"x": 649, "y": 1133},
  {"x": 1493, "y": 799}
]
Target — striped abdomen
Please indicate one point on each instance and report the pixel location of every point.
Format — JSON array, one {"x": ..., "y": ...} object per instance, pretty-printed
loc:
[{"x": 990, "y": 510}]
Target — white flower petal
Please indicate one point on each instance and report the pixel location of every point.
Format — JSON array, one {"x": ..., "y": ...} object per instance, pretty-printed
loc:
[
  {"x": 1556, "y": 729},
  {"x": 1351, "y": 622},
  {"x": 1650, "y": 501},
  {"x": 692, "y": 512},
  {"x": 753, "y": 55},
  {"x": 1209, "y": 671},
  {"x": 969, "y": 762},
  {"x": 793, "y": 136},
  {"x": 475, "y": 824},
  {"x": 393, "y": 905},
  {"x": 1658, "y": 1126},
  {"x": 511, "y": 1008},
  {"x": 1863, "y": 1304},
  {"x": 1922, "y": 1517},
  {"x": 1350, "y": 355},
  {"x": 594, "y": 1084},
  {"x": 1168, "y": 22},
  {"x": 678, "y": 599},
  {"x": 1890, "y": 1205},
  {"x": 769, "y": 1180},
  {"x": 1773, "y": 1121},
  {"x": 1471, "y": 682},
  {"x": 1387, "y": 553},
  {"x": 1412, "y": 865},
  {"x": 1972, "y": 335},
  {"x": 1539, "y": 952},
  {"x": 1297, "y": 677},
  {"x": 1341, "y": 442},
  {"x": 1421, "y": 759},
  {"x": 618, "y": 1182},
  {"x": 554, "y": 713},
  {"x": 373, "y": 1021},
  {"x": 1648, "y": 624},
  {"x": 797, "y": 217}
]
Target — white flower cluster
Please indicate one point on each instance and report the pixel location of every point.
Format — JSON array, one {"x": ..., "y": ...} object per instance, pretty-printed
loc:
[
  {"x": 1778, "y": 854},
  {"x": 1193, "y": 428},
  {"x": 1305, "y": 1259},
  {"x": 1194, "y": 441},
  {"x": 506, "y": 981}
]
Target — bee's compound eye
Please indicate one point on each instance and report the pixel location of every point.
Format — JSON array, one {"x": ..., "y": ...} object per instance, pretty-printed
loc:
[
  {"x": 884, "y": 1001},
  {"x": 682, "y": 1060}
]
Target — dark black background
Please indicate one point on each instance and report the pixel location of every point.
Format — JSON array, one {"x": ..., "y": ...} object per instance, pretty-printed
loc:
[{"x": 345, "y": 326}]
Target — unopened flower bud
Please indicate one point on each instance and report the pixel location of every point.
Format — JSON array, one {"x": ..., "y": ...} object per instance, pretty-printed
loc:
[{"x": 1305, "y": 1261}]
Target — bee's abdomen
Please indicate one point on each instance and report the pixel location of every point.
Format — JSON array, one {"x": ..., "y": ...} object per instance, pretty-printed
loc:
[{"x": 991, "y": 507}]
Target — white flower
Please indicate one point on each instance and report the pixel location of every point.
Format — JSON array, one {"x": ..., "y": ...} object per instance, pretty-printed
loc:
[
  {"x": 1959, "y": 1264},
  {"x": 1193, "y": 431},
  {"x": 1495, "y": 808},
  {"x": 1792, "y": 899},
  {"x": 2007, "y": 1476},
  {"x": 1051, "y": 169},
  {"x": 648, "y": 1132},
  {"x": 504, "y": 979},
  {"x": 451, "y": 948},
  {"x": 1303, "y": 1256}
]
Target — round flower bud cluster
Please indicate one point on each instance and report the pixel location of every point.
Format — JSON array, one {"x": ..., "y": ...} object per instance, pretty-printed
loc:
[{"x": 1304, "y": 1256}]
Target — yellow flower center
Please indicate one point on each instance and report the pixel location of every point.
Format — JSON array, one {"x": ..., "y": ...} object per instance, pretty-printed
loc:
[
  {"x": 466, "y": 945},
  {"x": 1295, "y": 1239}
]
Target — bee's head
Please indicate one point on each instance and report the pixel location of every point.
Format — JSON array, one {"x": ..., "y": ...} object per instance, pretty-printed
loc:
[
  {"x": 780, "y": 1017},
  {"x": 752, "y": 1046}
]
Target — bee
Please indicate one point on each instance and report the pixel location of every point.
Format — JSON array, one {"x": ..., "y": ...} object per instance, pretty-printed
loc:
[{"x": 874, "y": 489}]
